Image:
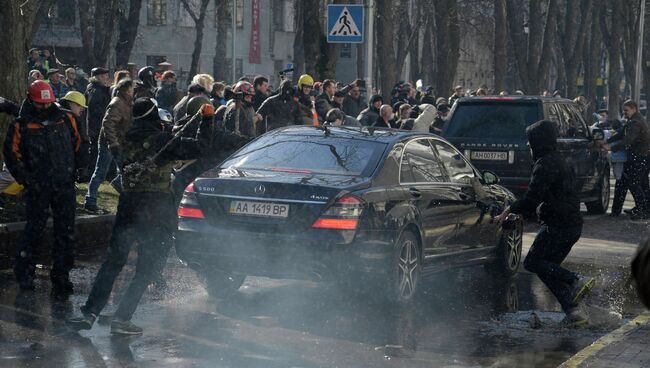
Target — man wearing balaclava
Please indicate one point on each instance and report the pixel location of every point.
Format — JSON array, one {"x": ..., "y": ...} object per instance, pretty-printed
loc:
[
  {"x": 280, "y": 110},
  {"x": 552, "y": 197}
]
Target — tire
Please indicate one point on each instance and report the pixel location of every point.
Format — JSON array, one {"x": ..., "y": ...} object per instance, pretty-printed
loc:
[
  {"x": 220, "y": 284},
  {"x": 599, "y": 206},
  {"x": 508, "y": 255},
  {"x": 406, "y": 264}
]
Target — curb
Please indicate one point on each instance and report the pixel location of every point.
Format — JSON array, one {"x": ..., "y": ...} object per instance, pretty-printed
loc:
[
  {"x": 612, "y": 337},
  {"x": 92, "y": 233}
]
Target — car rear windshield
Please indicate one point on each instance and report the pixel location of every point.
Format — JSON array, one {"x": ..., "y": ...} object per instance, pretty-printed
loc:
[
  {"x": 309, "y": 154},
  {"x": 495, "y": 119}
]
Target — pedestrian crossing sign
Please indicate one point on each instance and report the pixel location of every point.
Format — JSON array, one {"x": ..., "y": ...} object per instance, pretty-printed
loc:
[{"x": 345, "y": 23}]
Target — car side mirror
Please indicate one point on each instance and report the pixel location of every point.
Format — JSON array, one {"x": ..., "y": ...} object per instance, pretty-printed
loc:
[
  {"x": 598, "y": 134},
  {"x": 490, "y": 178}
]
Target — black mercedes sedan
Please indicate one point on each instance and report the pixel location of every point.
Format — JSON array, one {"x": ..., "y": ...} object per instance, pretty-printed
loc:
[{"x": 368, "y": 208}]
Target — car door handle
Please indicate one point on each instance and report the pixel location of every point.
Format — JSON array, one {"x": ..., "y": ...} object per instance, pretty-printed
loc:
[{"x": 415, "y": 193}]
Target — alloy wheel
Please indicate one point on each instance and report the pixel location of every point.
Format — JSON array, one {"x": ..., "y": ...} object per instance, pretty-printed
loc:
[
  {"x": 408, "y": 269},
  {"x": 513, "y": 242}
]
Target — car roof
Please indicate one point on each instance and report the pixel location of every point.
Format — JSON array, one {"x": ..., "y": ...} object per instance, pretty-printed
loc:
[
  {"x": 382, "y": 135},
  {"x": 514, "y": 98}
]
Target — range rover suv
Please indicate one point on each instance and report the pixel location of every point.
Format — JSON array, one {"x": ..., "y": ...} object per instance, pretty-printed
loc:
[{"x": 491, "y": 132}]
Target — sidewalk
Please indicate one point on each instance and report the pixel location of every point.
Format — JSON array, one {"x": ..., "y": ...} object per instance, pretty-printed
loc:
[{"x": 626, "y": 347}]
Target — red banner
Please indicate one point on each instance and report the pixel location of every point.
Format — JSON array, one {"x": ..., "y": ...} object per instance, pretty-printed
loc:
[{"x": 254, "y": 53}]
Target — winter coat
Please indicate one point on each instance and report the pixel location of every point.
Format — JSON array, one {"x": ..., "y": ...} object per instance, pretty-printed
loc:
[
  {"x": 9, "y": 107},
  {"x": 353, "y": 107},
  {"x": 323, "y": 105},
  {"x": 279, "y": 111},
  {"x": 167, "y": 96},
  {"x": 116, "y": 123},
  {"x": 636, "y": 137},
  {"x": 98, "y": 96},
  {"x": 426, "y": 118},
  {"x": 405, "y": 124},
  {"x": 380, "y": 123},
  {"x": 143, "y": 90},
  {"x": 41, "y": 146},
  {"x": 60, "y": 89},
  {"x": 258, "y": 100},
  {"x": 368, "y": 116},
  {"x": 181, "y": 108},
  {"x": 144, "y": 140},
  {"x": 551, "y": 193},
  {"x": 240, "y": 120}
]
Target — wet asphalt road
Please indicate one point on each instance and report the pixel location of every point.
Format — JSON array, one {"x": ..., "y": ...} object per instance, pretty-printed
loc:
[{"x": 466, "y": 319}]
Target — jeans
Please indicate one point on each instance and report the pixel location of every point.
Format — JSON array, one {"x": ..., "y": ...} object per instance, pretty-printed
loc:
[
  {"x": 104, "y": 160},
  {"x": 38, "y": 199},
  {"x": 551, "y": 246},
  {"x": 636, "y": 169},
  {"x": 148, "y": 219}
]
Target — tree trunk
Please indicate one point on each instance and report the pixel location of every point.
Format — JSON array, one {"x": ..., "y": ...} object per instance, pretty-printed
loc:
[
  {"x": 199, "y": 23},
  {"x": 500, "y": 45},
  {"x": 414, "y": 49},
  {"x": 220, "y": 66},
  {"x": 428, "y": 65},
  {"x": 312, "y": 38},
  {"x": 611, "y": 26},
  {"x": 129, "y": 23},
  {"x": 576, "y": 23},
  {"x": 646, "y": 58},
  {"x": 385, "y": 47},
  {"x": 448, "y": 41},
  {"x": 592, "y": 56},
  {"x": 106, "y": 17},
  {"x": 15, "y": 41},
  {"x": 298, "y": 41},
  {"x": 87, "y": 29}
]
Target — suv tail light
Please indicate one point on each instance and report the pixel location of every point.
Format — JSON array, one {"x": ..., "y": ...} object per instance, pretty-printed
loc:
[
  {"x": 344, "y": 214},
  {"x": 189, "y": 207}
]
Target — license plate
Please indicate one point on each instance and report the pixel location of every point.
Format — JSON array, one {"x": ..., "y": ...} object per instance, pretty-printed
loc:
[
  {"x": 261, "y": 209},
  {"x": 491, "y": 156}
]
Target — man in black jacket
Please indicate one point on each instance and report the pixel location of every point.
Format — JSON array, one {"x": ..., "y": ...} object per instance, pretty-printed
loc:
[
  {"x": 552, "y": 197},
  {"x": 280, "y": 110},
  {"x": 369, "y": 115},
  {"x": 98, "y": 96},
  {"x": 40, "y": 151}
]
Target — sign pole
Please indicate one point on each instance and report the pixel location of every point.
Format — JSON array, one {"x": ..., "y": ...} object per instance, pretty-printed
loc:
[
  {"x": 636, "y": 94},
  {"x": 234, "y": 41},
  {"x": 370, "y": 46}
]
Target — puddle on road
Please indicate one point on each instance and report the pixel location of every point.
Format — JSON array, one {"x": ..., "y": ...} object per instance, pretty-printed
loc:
[{"x": 465, "y": 320}]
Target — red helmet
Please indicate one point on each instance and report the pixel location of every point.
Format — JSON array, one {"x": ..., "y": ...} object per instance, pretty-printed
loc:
[
  {"x": 244, "y": 87},
  {"x": 41, "y": 92}
]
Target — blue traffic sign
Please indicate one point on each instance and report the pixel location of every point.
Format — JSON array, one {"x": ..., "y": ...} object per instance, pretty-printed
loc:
[{"x": 345, "y": 23}]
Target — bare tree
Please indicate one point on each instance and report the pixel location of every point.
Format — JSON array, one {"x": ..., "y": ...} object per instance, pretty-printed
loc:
[
  {"x": 312, "y": 38},
  {"x": 630, "y": 24},
  {"x": 19, "y": 18},
  {"x": 199, "y": 23},
  {"x": 97, "y": 20},
  {"x": 572, "y": 38},
  {"x": 298, "y": 41},
  {"x": 500, "y": 45},
  {"x": 447, "y": 43},
  {"x": 220, "y": 65},
  {"x": 533, "y": 50},
  {"x": 129, "y": 22},
  {"x": 611, "y": 27},
  {"x": 592, "y": 59}
]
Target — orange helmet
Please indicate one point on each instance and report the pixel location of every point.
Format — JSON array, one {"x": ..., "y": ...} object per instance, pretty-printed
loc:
[{"x": 41, "y": 92}]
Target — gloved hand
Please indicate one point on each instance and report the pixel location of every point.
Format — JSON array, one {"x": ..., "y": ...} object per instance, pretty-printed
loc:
[{"x": 207, "y": 110}]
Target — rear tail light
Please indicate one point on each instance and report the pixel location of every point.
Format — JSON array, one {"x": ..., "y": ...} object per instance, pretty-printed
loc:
[
  {"x": 188, "y": 212},
  {"x": 344, "y": 214},
  {"x": 189, "y": 207}
]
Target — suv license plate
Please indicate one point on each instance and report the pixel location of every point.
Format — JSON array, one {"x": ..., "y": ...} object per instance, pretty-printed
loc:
[
  {"x": 491, "y": 156},
  {"x": 261, "y": 209}
]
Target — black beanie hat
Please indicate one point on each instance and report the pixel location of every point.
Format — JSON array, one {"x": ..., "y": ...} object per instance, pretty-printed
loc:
[{"x": 145, "y": 108}]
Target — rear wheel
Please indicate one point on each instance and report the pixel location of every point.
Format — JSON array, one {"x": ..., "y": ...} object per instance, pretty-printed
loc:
[
  {"x": 220, "y": 284},
  {"x": 404, "y": 278},
  {"x": 600, "y": 205},
  {"x": 508, "y": 257}
]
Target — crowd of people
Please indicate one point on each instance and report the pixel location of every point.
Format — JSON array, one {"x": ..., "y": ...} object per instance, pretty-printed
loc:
[{"x": 157, "y": 141}]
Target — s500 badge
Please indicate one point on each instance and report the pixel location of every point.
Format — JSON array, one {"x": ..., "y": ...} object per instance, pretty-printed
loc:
[{"x": 320, "y": 198}]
